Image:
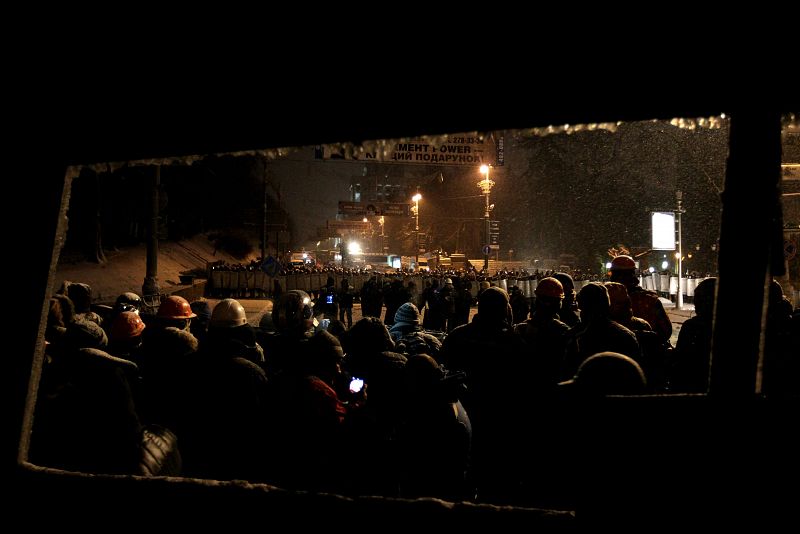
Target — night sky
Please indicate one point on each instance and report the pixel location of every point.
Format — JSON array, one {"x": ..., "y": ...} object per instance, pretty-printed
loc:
[{"x": 576, "y": 193}]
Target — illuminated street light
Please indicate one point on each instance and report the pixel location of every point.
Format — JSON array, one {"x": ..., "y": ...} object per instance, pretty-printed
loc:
[
  {"x": 416, "y": 198},
  {"x": 354, "y": 247},
  {"x": 486, "y": 187}
]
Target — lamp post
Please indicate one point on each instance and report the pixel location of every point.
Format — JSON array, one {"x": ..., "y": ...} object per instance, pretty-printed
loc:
[
  {"x": 381, "y": 220},
  {"x": 486, "y": 187},
  {"x": 416, "y": 198},
  {"x": 679, "y": 301}
]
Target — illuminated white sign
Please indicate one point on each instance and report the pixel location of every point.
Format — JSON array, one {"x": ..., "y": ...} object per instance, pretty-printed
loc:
[{"x": 663, "y": 230}]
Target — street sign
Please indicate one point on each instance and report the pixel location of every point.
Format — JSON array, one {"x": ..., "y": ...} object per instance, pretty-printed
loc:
[
  {"x": 494, "y": 226},
  {"x": 271, "y": 266},
  {"x": 394, "y": 208},
  {"x": 486, "y": 249},
  {"x": 494, "y": 239},
  {"x": 494, "y": 247},
  {"x": 372, "y": 209},
  {"x": 348, "y": 225},
  {"x": 351, "y": 208}
]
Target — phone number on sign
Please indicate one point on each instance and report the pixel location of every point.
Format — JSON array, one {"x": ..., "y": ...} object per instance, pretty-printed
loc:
[{"x": 465, "y": 140}]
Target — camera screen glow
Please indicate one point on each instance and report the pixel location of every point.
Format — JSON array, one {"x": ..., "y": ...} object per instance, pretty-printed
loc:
[{"x": 356, "y": 384}]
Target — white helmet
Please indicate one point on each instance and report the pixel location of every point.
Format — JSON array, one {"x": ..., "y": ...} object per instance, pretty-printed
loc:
[{"x": 228, "y": 313}]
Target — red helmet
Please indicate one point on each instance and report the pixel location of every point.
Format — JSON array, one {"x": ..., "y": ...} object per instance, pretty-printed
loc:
[
  {"x": 175, "y": 307},
  {"x": 549, "y": 287},
  {"x": 126, "y": 325},
  {"x": 623, "y": 263}
]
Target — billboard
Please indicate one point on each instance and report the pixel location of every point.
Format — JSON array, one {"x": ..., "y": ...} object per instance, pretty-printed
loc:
[
  {"x": 471, "y": 149},
  {"x": 663, "y": 223}
]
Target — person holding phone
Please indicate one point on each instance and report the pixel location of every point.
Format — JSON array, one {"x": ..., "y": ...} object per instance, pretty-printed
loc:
[{"x": 311, "y": 418}]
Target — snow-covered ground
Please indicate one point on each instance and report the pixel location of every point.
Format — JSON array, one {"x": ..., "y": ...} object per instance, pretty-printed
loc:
[{"x": 125, "y": 268}]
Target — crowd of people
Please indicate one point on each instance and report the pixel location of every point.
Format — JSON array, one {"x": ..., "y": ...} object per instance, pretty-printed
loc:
[{"x": 413, "y": 399}]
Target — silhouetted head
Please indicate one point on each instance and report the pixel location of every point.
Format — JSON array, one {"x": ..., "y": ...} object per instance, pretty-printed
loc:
[
  {"x": 80, "y": 295},
  {"x": 85, "y": 334},
  {"x": 407, "y": 314},
  {"x": 494, "y": 306},
  {"x": 367, "y": 336},
  {"x": 621, "y": 307},
  {"x": 266, "y": 324},
  {"x": 623, "y": 270},
  {"x": 704, "y": 297},
  {"x": 322, "y": 356},
  {"x": 608, "y": 373},
  {"x": 593, "y": 300},
  {"x": 292, "y": 313},
  {"x": 202, "y": 309}
]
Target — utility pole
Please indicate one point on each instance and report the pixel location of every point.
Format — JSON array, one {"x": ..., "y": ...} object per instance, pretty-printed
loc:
[
  {"x": 150, "y": 286},
  {"x": 679, "y": 301},
  {"x": 264, "y": 223},
  {"x": 486, "y": 187},
  {"x": 416, "y": 198}
]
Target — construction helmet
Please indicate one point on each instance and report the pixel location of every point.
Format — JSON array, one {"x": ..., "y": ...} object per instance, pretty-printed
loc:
[
  {"x": 128, "y": 299},
  {"x": 292, "y": 312},
  {"x": 622, "y": 263},
  {"x": 126, "y": 325},
  {"x": 228, "y": 313},
  {"x": 549, "y": 287},
  {"x": 175, "y": 307}
]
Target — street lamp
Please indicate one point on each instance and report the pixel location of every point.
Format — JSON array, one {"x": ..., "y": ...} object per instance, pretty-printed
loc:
[
  {"x": 416, "y": 198},
  {"x": 679, "y": 302},
  {"x": 486, "y": 187},
  {"x": 384, "y": 248}
]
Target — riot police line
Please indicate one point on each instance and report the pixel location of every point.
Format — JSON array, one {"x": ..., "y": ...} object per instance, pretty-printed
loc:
[{"x": 254, "y": 283}]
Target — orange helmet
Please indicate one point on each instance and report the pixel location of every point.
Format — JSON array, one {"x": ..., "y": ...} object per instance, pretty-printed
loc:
[
  {"x": 549, "y": 287},
  {"x": 175, "y": 307},
  {"x": 126, "y": 325},
  {"x": 623, "y": 263}
]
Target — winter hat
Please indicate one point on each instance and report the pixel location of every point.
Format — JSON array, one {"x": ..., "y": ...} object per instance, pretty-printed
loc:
[
  {"x": 407, "y": 314},
  {"x": 85, "y": 334},
  {"x": 202, "y": 309},
  {"x": 566, "y": 281},
  {"x": 494, "y": 306},
  {"x": 80, "y": 295},
  {"x": 609, "y": 373},
  {"x": 266, "y": 324},
  {"x": 175, "y": 342},
  {"x": 323, "y": 350},
  {"x": 593, "y": 298}
]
